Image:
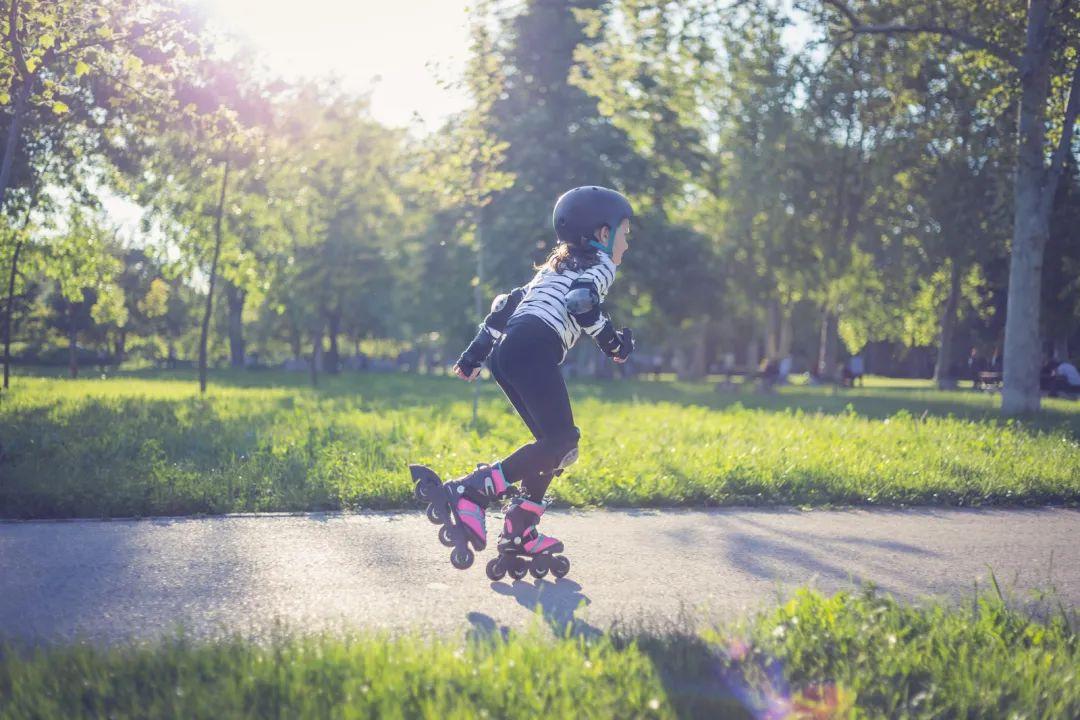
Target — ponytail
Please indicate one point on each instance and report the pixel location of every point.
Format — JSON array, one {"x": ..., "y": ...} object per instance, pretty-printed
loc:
[{"x": 570, "y": 257}]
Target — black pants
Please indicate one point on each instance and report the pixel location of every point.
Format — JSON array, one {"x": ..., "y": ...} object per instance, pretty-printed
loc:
[{"x": 525, "y": 363}]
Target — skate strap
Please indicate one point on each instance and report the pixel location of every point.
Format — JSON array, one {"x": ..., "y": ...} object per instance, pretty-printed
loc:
[
  {"x": 534, "y": 507},
  {"x": 468, "y": 509},
  {"x": 539, "y": 543},
  {"x": 498, "y": 478}
]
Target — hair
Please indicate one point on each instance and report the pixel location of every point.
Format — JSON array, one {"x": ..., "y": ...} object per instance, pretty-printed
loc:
[{"x": 570, "y": 257}]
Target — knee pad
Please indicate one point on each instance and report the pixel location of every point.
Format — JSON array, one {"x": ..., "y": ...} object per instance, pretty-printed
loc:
[
  {"x": 565, "y": 449},
  {"x": 568, "y": 459}
]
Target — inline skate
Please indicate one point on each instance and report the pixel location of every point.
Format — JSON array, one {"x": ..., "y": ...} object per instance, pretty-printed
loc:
[
  {"x": 459, "y": 506},
  {"x": 524, "y": 550}
]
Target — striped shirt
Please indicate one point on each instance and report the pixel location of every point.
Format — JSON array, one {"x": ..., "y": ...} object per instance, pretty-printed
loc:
[{"x": 545, "y": 297}]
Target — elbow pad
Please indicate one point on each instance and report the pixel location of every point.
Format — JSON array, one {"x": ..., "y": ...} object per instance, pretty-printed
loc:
[
  {"x": 583, "y": 303},
  {"x": 502, "y": 307}
]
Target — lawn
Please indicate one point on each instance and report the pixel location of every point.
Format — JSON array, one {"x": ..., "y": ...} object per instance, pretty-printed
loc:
[
  {"x": 849, "y": 655},
  {"x": 147, "y": 444}
]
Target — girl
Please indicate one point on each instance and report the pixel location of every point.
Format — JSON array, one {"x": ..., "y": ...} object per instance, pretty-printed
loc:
[{"x": 530, "y": 330}]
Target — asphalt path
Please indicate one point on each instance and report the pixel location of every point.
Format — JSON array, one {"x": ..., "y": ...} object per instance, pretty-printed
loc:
[{"x": 109, "y": 581}]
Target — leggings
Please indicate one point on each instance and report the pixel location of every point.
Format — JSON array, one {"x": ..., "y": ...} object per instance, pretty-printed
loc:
[{"x": 525, "y": 363}]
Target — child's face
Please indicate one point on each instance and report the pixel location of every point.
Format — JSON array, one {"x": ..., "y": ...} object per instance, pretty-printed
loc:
[{"x": 622, "y": 241}]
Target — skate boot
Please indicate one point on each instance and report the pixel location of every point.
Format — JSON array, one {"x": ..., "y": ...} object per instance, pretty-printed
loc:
[
  {"x": 459, "y": 506},
  {"x": 524, "y": 550}
]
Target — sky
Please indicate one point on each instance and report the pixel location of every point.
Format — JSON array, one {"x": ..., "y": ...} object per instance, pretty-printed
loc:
[{"x": 396, "y": 48}]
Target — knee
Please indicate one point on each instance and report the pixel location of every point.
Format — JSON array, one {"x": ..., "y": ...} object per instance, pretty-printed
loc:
[{"x": 562, "y": 449}]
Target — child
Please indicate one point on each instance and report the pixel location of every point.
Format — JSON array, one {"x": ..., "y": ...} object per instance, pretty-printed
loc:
[{"x": 527, "y": 335}]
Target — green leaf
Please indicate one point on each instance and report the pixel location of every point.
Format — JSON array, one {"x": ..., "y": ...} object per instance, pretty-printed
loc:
[
  {"x": 47, "y": 40},
  {"x": 32, "y": 64},
  {"x": 59, "y": 107},
  {"x": 81, "y": 68},
  {"x": 5, "y": 98}
]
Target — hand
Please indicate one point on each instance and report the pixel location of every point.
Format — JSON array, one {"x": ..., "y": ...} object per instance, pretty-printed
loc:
[{"x": 467, "y": 376}]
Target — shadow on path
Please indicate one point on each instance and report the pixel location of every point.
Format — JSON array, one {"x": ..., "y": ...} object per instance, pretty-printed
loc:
[{"x": 557, "y": 602}]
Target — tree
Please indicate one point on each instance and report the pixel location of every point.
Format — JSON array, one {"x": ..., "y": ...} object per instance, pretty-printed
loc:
[
  {"x": 101, "y": 62},
  {"x": 83, "y": 267},
  {"x": 1042, "y": 65},
  {"x": 220, "y": 128}
]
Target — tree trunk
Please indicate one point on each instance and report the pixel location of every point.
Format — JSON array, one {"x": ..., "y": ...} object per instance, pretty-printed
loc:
[
  {"x": 235, "y": 298},
  {"x": 772, "y": 329},
  {"x": 787, "y": 332},
  {"x": 73, "y": 334},
  {"x": 942, "y": 369},
  {"x": 827, "y": 349},
  {"x": 9, "y": 310},
  {"x": 121, "y": 345},
  {"x": 1031, "y": 221},
  {"x": 316, "y": 356},
  {"x": 1061, "y": 344},
  {"x": 295, "y": 340},
  {"x": 1023, "y": 345},
  {"x": 18, "y": 110},
  {"x": 695, "y": 369},
  {"x": 331, "y": 361},
  {"x": 204, "y": 334}
]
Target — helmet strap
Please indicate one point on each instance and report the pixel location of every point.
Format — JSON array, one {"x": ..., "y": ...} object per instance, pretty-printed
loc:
[{"x": 609, "y": 247}]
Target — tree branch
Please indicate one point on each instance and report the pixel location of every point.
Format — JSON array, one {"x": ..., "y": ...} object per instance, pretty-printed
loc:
[
  {"x": 856, "y": 27},
  {"x": 13, "y": 38},
  {"x": 1064, "y": 146}
]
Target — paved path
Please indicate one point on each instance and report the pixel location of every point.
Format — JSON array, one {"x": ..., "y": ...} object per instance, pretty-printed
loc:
[{"x": 122, "y": 579}]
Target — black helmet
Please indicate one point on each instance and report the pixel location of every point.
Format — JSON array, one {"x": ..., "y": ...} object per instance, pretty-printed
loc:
[{"x": 579, "y": 212}]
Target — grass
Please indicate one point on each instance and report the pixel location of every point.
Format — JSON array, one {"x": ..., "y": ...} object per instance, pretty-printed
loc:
[
  {"x": 849, "y": 655},
  {"x": 147, "y": 444}
]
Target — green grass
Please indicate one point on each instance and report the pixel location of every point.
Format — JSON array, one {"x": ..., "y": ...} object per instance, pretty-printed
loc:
[
  {"x": 849, "y": 655},
  {"x": 147, "y": 444}
]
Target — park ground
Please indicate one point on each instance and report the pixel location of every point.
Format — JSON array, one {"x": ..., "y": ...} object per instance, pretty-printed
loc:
[
  {"x": 867, "y": 487},
  {"x": 147, "y": 444}
]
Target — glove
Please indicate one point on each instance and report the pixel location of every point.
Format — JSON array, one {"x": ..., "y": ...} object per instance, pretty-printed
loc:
[
  {"x": 626, "y": 344},
  {"x": 477, "y": 352}
]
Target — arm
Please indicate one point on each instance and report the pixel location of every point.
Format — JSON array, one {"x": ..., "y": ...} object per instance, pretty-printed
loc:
[
  {"x": 583, "y": 303},
  {"x": 468, "y": 365}
]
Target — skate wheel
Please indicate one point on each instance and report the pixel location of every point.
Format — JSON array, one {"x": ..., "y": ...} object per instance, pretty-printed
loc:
[
  {"x": 495, "y": 570},
  {"x": 446, "y": 536},
  {"x": 560, "y": 565},
  {"x": 436, "y": 513},
  {"x": 518, "y": 573},
  {"x": 537, "y": 571},
  {"x": 424, "y": 490},
  {"x": 462, "y": 558}
]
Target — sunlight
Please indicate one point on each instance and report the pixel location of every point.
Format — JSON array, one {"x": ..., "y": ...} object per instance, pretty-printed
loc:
[{"x": 400, "y": 49}]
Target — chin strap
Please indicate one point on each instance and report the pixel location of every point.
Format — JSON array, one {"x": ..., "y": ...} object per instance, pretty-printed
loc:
[{"x": 609, "y": 247}]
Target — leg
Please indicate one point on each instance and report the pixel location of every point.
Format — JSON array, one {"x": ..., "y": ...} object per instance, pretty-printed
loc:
[
  {"x": 543, "y": 392},
  {"x": 512, "y": 394}
]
